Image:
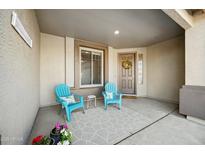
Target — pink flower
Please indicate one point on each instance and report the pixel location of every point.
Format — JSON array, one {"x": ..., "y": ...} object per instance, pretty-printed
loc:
[
  {"x": 65, "y": 126},
  {"x": 58, "y": 126}
]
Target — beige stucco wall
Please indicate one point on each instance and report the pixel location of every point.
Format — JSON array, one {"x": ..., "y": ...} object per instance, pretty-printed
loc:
[
  {"x": 166, "y": 58},
  {"x": 57, "y": 66},
  {"x": 166, "y": 69},
  {"x": 195, "y": 54},
  {"x": 141, "y": 90},
  {"x": 52, "y": 66},
  {"x": 19, "y": 77}
]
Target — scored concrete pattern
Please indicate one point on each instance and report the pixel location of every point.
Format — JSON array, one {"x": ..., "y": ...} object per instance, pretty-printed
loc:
[
  {"x": 98, "y": 126},
  {"x": 150, "y": 108},
  {"x": 172, "y": 129},
  {"x": 141, "y": 121}
]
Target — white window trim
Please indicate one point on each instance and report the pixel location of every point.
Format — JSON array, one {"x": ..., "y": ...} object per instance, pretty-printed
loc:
[{"x": 102, "y": 68}]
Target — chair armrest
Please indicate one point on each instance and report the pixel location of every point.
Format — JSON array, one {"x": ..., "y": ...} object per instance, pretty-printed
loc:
[
  {"x": 59, "y": 100},
  {"x": 119, "y": 93},
  {"x": 79, "y": 97},
  {"x": 64, "y": 104}
]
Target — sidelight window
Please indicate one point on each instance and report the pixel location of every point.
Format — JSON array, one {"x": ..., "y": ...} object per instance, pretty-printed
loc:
[{"x": 140, "y": 68}]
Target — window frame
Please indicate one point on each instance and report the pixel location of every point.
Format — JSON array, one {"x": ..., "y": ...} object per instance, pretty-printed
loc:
[{"x": 102, "y": 67}]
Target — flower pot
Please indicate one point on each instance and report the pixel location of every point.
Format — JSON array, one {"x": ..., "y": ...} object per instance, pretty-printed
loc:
[
  {"x": 55, "y": 137},
  {"x": 52, "y": 141}
]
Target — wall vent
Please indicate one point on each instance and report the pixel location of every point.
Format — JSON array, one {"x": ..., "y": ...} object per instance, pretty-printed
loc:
[{"x": 16, "y": 23}]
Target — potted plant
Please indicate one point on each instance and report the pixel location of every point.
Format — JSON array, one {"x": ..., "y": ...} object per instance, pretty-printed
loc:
[
  {"x": 42, "y": 140},
  {"x": 55, "y": 132},
  {"x": 60, "y": 133}
]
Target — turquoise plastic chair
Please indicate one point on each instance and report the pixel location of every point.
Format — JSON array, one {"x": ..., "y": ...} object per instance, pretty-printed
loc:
[
  {"x": 117, "y": 96},
  {"x": 63, "y": 90}
]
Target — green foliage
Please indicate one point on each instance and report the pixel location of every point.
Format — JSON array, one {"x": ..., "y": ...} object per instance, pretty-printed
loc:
[
  {"x": 65, "y": 135},
  {"x": 46, "y": 140}
]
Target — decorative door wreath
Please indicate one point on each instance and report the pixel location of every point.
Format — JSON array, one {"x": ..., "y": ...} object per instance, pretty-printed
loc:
[{"x": 126, "y": 64}]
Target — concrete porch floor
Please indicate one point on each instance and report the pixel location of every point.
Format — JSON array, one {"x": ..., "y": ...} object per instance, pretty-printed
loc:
[{"x": 141, "y": 121}]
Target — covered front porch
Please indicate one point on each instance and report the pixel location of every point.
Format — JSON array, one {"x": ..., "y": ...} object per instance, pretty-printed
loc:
[{"x": 160, "y": 79}]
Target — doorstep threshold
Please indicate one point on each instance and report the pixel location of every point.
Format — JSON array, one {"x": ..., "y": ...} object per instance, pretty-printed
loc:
[
  {"x": 129, "y": 95},
  {"x": 132, "y": 96}
]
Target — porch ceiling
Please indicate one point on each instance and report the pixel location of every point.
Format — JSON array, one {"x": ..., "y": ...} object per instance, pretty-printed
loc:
[{"x": 137, "y": 28}]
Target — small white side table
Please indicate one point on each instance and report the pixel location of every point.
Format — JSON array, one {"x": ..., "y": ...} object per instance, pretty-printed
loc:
[{"x": 91, "y": 98}]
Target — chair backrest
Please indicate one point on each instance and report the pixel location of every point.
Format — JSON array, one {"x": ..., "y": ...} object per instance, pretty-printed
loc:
[
  {"x": 110, "y": 87},
  {"x": 62, "y": 90}
]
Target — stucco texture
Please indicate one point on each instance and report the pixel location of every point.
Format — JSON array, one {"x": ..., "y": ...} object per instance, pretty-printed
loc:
[
  {"x": 166, "y": 69},
  {"x": 19, "y": 77},
  {"x": 195, "y": 53},
  {"x": 52, "y": 67}
]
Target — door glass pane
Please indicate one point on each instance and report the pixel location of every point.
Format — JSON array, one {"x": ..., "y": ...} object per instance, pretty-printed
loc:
[
  {"x": 97, "y": 68},
  {"x": 140, "y": 69},
  {"x": 85, "y": 67}
]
